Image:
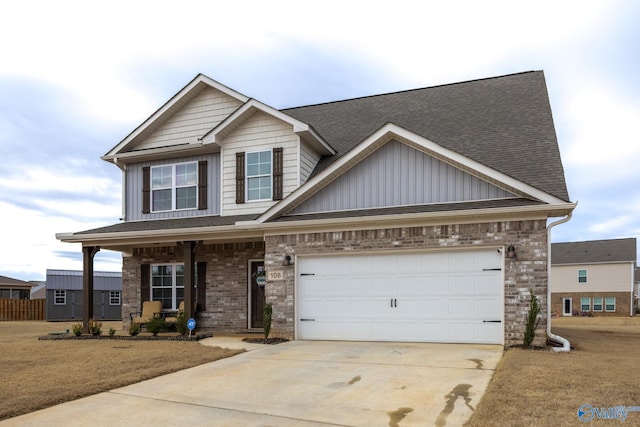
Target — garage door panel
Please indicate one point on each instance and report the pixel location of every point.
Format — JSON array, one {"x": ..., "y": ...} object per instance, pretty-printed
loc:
[{"x": 438, "y": 297}]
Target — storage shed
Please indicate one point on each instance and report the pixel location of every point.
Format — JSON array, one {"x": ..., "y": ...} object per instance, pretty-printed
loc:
[{"x": 64, "y": 295}]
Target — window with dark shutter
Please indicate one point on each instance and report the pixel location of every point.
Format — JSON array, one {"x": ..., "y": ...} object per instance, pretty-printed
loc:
[
  {"x": 202, "y": 185},
  {"x": 240, "y": 177},
  {"x": 277, "y": 173},
  {"x": 201, "y": 273},
  {"x": 146, "y": 190},
  {"x": 145, "y": 283}
]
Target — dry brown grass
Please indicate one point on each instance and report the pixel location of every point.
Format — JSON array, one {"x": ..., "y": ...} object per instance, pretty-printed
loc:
[
  {"x": 39, "y": 373},
  {"x": 543, "y": 388}
]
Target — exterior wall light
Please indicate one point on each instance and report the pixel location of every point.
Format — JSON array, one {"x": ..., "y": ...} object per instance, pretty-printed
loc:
[
  {"x": 288, "y": 261},
  {"x": 511, "y": 252}
]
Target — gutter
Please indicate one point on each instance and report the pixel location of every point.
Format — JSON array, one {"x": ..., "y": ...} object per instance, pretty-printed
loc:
[{"x": 566, "y": 346}]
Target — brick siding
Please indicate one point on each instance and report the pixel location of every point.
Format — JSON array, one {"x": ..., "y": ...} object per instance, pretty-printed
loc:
[{"x": 623, "y": 303}]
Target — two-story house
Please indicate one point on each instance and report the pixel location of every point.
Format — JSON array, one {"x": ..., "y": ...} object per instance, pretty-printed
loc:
[
  {"x": 594, "y": 278},
  {"x": 411, "y": 216}
]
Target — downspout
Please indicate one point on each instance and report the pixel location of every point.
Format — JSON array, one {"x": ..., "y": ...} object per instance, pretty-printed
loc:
[{"x": 566, "y": 346}]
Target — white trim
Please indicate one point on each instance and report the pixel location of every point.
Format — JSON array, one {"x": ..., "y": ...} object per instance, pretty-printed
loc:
[
  {"x": 564, "y": 313},
  {"x": 217, "y": 134},
  {"x": 390, "y": 132},
  {"x": 169, "y": 106}
]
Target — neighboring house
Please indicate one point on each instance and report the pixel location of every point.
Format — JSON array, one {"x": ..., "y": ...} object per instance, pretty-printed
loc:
[
  {"x": 384, "y": 218},
  {"x": 14, "y": 288},
  {"x": 593, "y": 278},
  {"x": 39, "y": 290},
  {"x": 65, "y": 295}
]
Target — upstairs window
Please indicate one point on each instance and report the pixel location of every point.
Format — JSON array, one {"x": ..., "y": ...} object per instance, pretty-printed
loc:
[
  {"x": 174, "y": 187},
  {"x": 582, "y": 276},
  {"x": 259, "y": 175}
]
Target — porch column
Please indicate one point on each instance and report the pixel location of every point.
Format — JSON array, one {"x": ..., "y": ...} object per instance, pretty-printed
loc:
[
  {"x": 190, "y": 249},
  {"x": 88, "y": 252}
]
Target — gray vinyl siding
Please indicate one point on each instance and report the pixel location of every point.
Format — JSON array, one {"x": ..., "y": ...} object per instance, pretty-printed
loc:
[
  {"x": 133, "y": 192},
  {"x": 398, "y": 175},
  {"x": 308, "y": 161}
]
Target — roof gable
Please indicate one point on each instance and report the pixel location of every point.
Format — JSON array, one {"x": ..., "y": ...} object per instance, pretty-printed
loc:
[
  {"x": 594, "y": 251},
  {"x": 503, "y": 122}
]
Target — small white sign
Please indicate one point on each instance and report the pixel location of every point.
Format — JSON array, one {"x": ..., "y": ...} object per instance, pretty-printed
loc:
[{"x": 274, "y": 276}]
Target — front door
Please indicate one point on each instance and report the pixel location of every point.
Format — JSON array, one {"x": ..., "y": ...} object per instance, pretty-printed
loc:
[
  {"x": 258, "y": 278},
  {"x": 566, "y": 307}
]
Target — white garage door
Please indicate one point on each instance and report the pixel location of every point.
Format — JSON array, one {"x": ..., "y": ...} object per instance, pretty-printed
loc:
[{"x": 454, "y": 296}]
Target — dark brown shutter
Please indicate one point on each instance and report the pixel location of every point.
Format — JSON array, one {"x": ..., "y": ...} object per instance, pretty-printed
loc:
[
  {"x": 146, "y": 189},
  {"x": 145, "y": 283},
  {"x": 201, "y": 269},
  {"x": 240, "y": 177},
  {"x": 202, "y": 184},
  {"x": 277, "y": 173}
]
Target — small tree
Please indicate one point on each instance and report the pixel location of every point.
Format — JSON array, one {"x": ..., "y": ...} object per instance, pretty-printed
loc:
[
  {"x": 266, "y": 321},
  {"x": 155, "y": 325},
  {"x": 532, "y": 320},
  {"x": 181, "y": 322}
]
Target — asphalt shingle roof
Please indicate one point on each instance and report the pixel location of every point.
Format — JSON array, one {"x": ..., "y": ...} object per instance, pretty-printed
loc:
[
  {"x": 502, "y": 122},
  {"x": 594, "y": 251}
]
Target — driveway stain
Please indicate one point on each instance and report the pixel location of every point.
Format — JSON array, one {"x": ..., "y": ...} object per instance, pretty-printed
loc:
[
  {"x": 461, "y": 390},
  {"x": 398, "y": 415},
  {"x": 355, "y": 379},
  {"x": 479, "y": 363}
]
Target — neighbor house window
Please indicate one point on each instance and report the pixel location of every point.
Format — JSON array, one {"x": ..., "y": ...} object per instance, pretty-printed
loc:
[
  {"x": 585, "y": 304},
  {"x": 114, "y": 297},
  {"x": 59, "y": 297},
  {"x": 597, "y": 304},
  {"x": 582, "y": 276},
  {"x": 610, "y": 304},
  {"x": 167, "y": 285},
  {"x": 174, "y": 187},
  {"x": 259, "y": 175}
]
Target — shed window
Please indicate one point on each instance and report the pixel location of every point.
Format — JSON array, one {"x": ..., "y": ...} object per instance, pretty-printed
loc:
[
  {"x": 610, "y": 304},
  {"x": 59, "y": 297},
  {"x": 585, "y": 304},
  {"x": 114, "y": 297},
  {"x": 582, "y": 276},
  {"x": 597, "y": 304}
]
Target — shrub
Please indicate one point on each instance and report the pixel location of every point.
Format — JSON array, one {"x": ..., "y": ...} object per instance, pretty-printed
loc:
[
  {"x": 77, "y": 329},
  {"x": 95, "y": 328},
  {"x": 112, "y": 332},
  {"x": 134, "y": 329},
  {"x": 155, "y": 325},
  {"x": 181, "y": 322},
  {"x": 266, "y": 320},
  {"x": 532, "y": 320}
]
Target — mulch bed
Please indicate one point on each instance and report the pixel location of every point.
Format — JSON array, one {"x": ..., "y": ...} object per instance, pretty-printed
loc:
[
  {"x": 63, "y": 336},
  {"x": 265, "y": 341}
]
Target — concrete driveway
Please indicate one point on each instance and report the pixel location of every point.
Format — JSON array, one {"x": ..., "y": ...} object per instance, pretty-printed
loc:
[{"x": 301, "y": 383}]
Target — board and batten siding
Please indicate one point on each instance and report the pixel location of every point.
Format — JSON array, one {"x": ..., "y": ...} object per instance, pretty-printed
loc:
[
  {"x": 609, "y": 277},
  {"x": 197, "y": 117},
  {"x": 133, "y": 192},
  {"x": 398, "y": 175},
  {"x": 309, "y": 158},
  {"x": 259, "y": 132}
]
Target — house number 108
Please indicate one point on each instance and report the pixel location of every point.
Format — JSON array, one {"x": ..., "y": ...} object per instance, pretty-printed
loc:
[{"x": 274, "y": 275}]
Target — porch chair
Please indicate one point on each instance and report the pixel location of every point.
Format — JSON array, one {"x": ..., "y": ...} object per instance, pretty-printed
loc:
[
  {"x": 173, "y": 316},
  {"x": 150, "y": 309}
]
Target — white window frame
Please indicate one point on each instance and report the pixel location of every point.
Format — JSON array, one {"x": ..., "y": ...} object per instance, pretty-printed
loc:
[
  {"x": 595, "y": 304},
  {"x": 258, "y": 176},
  {"x": 606, "y": 304},
  {"x": 586, "y": 275},
  {"x": 59, "y": 297},
  {"x": 175, "y": 300},
  {"x": 582, "y": 303},
  {"x": 114, "y": 297},
  {"x": 174, "y": 187}
]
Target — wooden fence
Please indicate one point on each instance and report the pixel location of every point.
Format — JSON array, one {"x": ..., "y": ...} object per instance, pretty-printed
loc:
[{"x": 21, "y": 309}]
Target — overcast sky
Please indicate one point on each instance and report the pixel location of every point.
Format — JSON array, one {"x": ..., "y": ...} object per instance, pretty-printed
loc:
[{"x": 77, "y": 76}]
